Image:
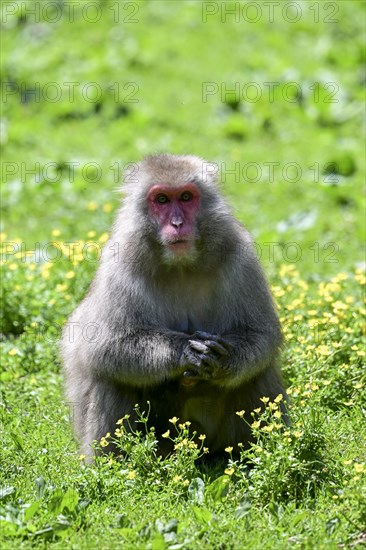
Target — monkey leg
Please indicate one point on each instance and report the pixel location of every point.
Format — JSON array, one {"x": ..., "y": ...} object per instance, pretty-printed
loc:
[{"x": 103, "y": 404}]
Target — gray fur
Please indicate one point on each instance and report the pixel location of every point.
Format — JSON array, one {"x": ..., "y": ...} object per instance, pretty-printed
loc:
[{"x": 149, "y": 310}]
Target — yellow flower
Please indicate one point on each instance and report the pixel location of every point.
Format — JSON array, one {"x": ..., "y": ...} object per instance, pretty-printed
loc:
[
  {"x": 257, "y": 410},
  {"x": 202, "y": 437},
  {"x": 177, "y": 478},
  {"x": 277, "y": 291},
  {"x": 229, "y": 449},
  {"x": 107, "y": 207},
  {"x": 264, "y": 399},
  {"x": 360, "y": 279},
  {"x": 131, "y": 474},
  {"x": 256, "y": 424},
  {"x": 229, "y": 471},
  {"x": 61, "y": 287},
  {"x": 277, "y": 414},
  {"x": 103, "y": 238},
  {"x": 360, "y": 468},
  {"x": 339, "y": 305},
  {"x": 120, "y": 421},
  {"x": 81, "y": 457},
  {"x": 324, "y": 350},
  {"x": 118, "y": 433},
  {"x": 267, "y": 428},
  {"x": 240, "y": 413},
  {"x": 340, "y": 277},
  {"x": 13, "y": 351},
  {"x": 103, "y": 442},
  {"x": 166, "y": 434},
  {"x": 56, "y": 233},
  {"x": 70, "y": 275},
  {"x": 173, "y": 420},
  {"x": 279, "y": 398},
  {"x": 298, "y": 433},
  {"x": 92, "y": 206},
  {"x": 13, "y": 267}
]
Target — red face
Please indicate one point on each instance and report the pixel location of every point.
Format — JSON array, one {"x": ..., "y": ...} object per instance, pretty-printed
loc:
[{"x": 175, "y": 208}]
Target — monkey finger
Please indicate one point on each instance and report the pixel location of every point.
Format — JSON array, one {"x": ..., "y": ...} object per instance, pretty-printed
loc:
[
  {"x": 212, "y": 338},
  {"x": 202, "y": 335},
  {"x": 216, "y": 347},
  {"x": 199, "y": 346},
  {"x": 211, "y": 362}
]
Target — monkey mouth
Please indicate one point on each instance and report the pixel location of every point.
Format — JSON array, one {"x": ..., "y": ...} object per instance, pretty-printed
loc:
[{"x": 179, "y": 246}]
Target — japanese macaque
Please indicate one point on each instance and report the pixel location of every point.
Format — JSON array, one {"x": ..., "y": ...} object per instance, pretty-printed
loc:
[{"x": 179, "y": 314}]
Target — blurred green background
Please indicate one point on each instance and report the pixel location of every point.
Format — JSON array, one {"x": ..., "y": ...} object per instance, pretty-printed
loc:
[{"x": 271, "y": 92}]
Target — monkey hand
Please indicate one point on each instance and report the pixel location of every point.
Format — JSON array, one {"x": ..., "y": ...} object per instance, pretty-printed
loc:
[{"x": 203, "y": 357}]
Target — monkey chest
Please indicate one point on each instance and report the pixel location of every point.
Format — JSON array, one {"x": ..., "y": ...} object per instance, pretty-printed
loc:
[{"x": 192, "y": 314}]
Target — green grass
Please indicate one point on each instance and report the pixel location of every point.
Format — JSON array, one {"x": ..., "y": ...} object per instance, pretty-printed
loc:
[{"x": 306, "y": 486}]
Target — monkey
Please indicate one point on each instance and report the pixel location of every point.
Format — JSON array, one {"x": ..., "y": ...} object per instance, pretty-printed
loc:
[{"x": 179, "y": 314}]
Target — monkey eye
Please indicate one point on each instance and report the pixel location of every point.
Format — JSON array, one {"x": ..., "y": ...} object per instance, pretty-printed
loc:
[
  {"x": 162, "y": 199},
  {"x": 186, "y": 196}
]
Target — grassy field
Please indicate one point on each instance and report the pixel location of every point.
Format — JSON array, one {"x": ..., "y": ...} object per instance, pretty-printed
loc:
[{"x": 274, "y": 94}]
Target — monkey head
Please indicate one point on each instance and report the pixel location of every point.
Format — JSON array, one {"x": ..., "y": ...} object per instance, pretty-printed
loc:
[{"x": 174, "y": 210}]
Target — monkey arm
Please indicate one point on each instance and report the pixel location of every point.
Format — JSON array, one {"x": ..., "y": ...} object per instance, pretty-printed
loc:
[
  {"x": 140, "y": 357},
  {"x": 251, "y": 351}
]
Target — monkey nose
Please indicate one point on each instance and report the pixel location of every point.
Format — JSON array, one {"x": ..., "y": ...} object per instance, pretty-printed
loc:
[{"x": 177, "y": 222}]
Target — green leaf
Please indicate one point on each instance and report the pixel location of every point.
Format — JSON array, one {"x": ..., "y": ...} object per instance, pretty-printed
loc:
[
  {"x": 196, "y": 490},
  {"x": 202, "y": 515},
  {"x": 70, "y": 500},
  {"x": 219, "y": 488},
  {"x": 6, "y": 491},
  {"x": 31, "y": 510}
]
